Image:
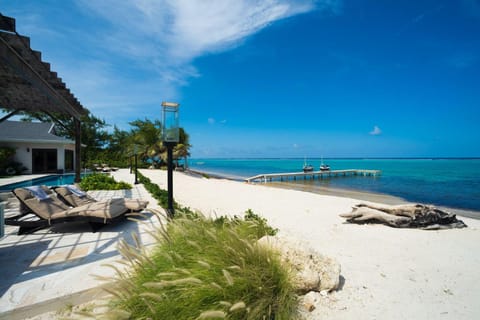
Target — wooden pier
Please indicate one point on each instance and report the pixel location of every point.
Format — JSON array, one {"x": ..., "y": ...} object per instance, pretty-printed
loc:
[{"x": 269, "y": 177}]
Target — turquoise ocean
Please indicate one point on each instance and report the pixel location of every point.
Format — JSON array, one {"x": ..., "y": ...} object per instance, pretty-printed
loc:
[{"x": 453, "y": 183}]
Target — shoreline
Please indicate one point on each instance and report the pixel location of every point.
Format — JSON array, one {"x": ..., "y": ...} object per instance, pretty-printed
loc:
[{"x": 337, "y": 192}]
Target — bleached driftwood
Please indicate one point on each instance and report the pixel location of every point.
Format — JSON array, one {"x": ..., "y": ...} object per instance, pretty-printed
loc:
[{"x": 404, "y": 216}]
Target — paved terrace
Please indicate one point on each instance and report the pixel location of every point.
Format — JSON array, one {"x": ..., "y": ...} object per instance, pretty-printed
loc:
[{"x": 55, "y": 267}]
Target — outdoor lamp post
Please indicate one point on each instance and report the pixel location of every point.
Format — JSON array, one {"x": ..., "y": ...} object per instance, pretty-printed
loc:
[
  {"x": 131, "y": 164},
  {"x": 170, "y": 136},
  {"x": 135, "y": 151}
]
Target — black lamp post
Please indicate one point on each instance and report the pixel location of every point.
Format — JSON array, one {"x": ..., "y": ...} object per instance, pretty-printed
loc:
[
  {"x": 171, "y": 136},
  {"x": 131, "y": 164},
  {"x": 135, "y": 150}
]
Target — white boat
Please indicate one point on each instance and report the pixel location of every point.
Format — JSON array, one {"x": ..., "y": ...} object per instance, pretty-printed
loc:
[
  {"x": 324, "y": 167},
  {"x": 307, "y": 167}
]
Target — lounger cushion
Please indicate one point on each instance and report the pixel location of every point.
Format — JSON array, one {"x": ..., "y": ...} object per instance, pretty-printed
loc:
[
  {"x": 132, "y": 204},
  {"x": 76, "y": 201},
  {"x": 72, "y": 199},
  {"x": 44, "y": 208},
  {"x": 104, "y": 210},
  {"x": 24, "y": 194}
]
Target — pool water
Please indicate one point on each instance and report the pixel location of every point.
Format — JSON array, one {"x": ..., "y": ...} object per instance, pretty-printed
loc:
[{"x": 53, "y": 180}]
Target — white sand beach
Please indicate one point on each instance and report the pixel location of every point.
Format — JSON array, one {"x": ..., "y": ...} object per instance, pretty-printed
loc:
[{"x": 387, "y": 273}]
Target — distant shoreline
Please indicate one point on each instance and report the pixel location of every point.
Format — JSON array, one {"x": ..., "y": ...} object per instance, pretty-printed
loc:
[
  {"x": 337, "y": 192},
  {"x": 343, "y": 158}
]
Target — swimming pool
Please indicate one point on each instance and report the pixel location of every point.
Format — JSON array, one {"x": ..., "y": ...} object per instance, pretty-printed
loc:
[{"x": 53, "y": 180}]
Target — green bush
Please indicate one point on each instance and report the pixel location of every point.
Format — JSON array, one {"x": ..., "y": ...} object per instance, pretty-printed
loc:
[
  {"x": 159, "y": 194},
  {"x": 6, "y": 155},
  {"x": 203, "y": 269},
  {"x": 98, "y": 181},
  {"x": 7, "y": 165}
]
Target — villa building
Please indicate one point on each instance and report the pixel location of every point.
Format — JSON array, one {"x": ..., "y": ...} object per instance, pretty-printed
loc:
[{"x": 37, "y": 146}]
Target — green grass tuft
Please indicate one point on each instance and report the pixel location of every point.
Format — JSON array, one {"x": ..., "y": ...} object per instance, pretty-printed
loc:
[{"x": 206, "y": 269}]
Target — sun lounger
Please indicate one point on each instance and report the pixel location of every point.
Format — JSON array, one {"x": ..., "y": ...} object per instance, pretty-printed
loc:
[
  {"x": 51, "y": 210},
  {"x": 75, "y": 198}
]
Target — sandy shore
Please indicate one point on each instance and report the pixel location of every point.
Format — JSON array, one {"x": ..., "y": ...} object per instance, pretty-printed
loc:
[{"x": 387, "y": 273}]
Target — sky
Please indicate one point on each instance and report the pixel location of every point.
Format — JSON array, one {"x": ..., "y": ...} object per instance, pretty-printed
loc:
[{"x": 274, "y": 78}]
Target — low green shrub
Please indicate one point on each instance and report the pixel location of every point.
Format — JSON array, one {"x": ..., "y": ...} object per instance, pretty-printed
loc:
[
  {"x": 243, "y": 225},
  {"x": 99, "y": 181},
  {"x": 8, "y": 166},
  {"x": 159, "y": 194},
  {"x": 204, "y": 269}
]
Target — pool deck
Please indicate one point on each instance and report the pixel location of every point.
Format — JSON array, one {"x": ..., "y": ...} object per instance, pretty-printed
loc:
[{"x": 54, "y": 268}]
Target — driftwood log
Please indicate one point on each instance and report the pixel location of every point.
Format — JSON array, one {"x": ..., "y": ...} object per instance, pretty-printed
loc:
[{"x": 404, "y": 216}]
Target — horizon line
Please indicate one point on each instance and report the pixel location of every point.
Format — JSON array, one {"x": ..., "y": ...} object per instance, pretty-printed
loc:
[{"x": 339, "y": 158}]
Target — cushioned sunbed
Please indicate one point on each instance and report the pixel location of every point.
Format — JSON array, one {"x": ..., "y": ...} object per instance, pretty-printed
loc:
[
  {"x": 43, "y": 211},
  {"x": 75, "y": 198}
]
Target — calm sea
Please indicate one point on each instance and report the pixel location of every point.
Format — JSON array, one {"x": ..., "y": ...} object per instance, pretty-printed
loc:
[{"x": 443, "y": 182}]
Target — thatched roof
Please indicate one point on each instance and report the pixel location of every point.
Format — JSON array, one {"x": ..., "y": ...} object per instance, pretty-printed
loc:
[{"x": 26, "y": 82}]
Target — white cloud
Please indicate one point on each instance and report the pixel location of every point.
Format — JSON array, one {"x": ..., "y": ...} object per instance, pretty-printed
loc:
[
  {"x": 163, "y": 37},
  {"x": 376, "y": 131},
  {"x": 132, "y": 54},
  {"x": 213, "y": 121},
  {"x": 177, "y": 31}
]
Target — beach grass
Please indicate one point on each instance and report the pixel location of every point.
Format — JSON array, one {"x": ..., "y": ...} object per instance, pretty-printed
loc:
[{"x": 205, "y": 269}]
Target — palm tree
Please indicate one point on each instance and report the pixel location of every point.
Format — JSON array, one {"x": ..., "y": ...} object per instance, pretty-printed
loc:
[
  {"x": 182, "y": 149},
  {"x": 147, "y": 136}
]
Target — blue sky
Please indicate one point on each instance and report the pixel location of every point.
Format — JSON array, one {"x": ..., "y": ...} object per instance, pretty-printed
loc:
[{"x": 274, "y": 78}]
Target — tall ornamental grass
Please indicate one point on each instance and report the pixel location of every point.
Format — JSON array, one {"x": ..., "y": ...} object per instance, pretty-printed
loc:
[{"x": 204, "y": 269}]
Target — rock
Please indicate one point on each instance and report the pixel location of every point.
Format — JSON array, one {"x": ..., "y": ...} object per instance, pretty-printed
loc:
[
  {"x": 312, "y": 270},
  {"x": 309, "y": 301}
]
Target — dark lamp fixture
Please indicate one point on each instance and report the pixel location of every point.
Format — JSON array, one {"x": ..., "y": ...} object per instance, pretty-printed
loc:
[{"x": 170, "y": 127}]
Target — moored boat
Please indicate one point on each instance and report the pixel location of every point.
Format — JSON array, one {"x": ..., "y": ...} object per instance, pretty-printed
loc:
[
  {"x": 307, "y": 167},
  {"x": 324, "y": 167}
]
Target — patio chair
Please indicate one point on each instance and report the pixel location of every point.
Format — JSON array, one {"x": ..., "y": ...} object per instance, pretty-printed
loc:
[
  {"x": 45, "y": 210},
  {"x": 74, "y": 197}
]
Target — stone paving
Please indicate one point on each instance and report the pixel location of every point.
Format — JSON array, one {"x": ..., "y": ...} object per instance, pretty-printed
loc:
[{"x": 54, "y": 267}]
